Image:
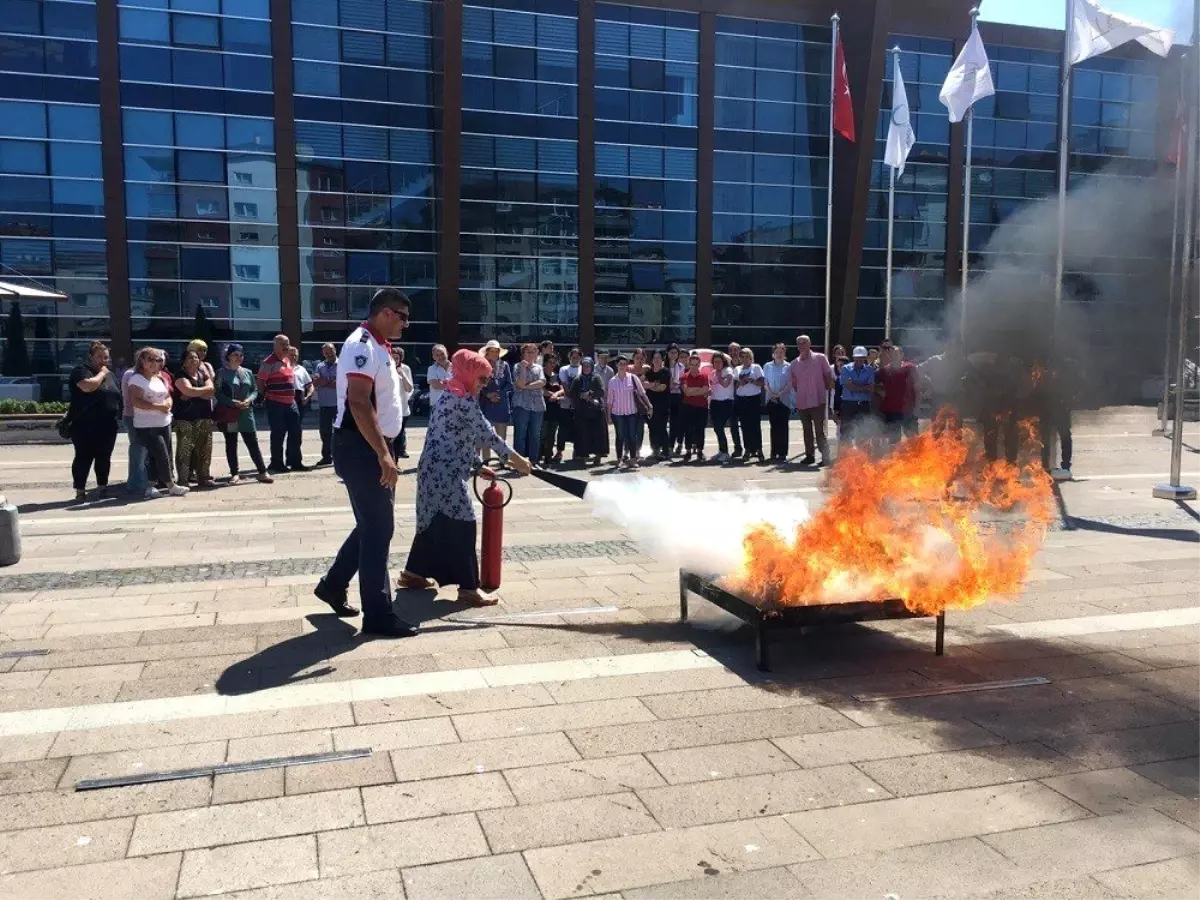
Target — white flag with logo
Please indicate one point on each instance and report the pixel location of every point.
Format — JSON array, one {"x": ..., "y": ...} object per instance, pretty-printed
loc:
[
  {"x": 900, "y": 138},
  {"x": 1095, "y": 30},
  {"x": 969, "y": 80}
]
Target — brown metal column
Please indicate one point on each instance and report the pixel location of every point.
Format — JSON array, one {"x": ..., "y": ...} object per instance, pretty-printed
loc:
[
  {"x": 292, "y": 323},
  {"x": 706, "y": 114},
  {"x": 864, "y": 37},
  {"x": 450, "y": 163},
  {"x": 112, "y": 155},
  {"x": 587, "y": 173}
]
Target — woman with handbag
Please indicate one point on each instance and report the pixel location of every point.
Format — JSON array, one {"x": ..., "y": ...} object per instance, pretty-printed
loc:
[
  {"x": 236, "y": 392},
  {"x": 625, "y": 402},
  {"x": 152, "y": 418},
  {"x": 92, "y": 420}
]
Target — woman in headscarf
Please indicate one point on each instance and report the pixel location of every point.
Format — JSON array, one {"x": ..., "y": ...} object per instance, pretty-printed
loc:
[
  {"x": 443, "y": 551},
  {"x": 587, "y": 398}
]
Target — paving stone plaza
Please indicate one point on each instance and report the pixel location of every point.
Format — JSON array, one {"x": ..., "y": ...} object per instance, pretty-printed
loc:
[{"x": 577, "y": 739}]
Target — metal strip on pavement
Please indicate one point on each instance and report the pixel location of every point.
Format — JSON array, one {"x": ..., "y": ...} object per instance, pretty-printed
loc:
[
  {"x": 954, "y": 689},
  {"x": 22, "y": 654},
  {"x": 539, "y": 614},
  {"x": 95, "y": 784}
]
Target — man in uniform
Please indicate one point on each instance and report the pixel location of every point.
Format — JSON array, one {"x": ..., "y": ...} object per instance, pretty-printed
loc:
[{"x": 368, "y": 418}]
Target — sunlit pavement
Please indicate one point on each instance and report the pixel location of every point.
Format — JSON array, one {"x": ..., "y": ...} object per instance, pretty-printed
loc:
[{"x": 578, "y": 740}]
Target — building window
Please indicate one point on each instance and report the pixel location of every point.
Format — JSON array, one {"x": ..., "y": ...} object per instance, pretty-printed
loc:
[
  {"x": 245, "y": 272},
  {"x": 210, "y": 302},
  {"x": 245, "y": 210},
  {"x": 249, "y": 303},
  {"x": 243, "y": 177},
  {"x": 329, "y": 214},
  {"x": 248, "y": 237},
  {"x": 207, "y": 208},
  {"x": 330, "y": 307}
]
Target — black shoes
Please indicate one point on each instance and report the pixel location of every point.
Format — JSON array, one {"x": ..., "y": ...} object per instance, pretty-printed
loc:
[
  {"x": 325, "y": 461},
  {"x": 808, "y": 461},
  {"x": 300, "y": 467},
  {"x": 277, "y": 469},
  {"x": 336, "y": 599},
  {"x": 390, "y": 627}
]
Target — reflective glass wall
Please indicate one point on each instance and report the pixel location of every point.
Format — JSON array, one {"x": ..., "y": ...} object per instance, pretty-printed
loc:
[
  {"x": 200, "y": 194},
  {"x": 918, "y": 269},
  {"x": 770, "y": 182},
  {"x": 646, "y": 136},
  {"x": 51, "y": 185},
  {"x": 519, "y": 262},
  {"x": 367, "y": 175}
]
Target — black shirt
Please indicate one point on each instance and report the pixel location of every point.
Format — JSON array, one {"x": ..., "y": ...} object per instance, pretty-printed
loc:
[
  {"x": 192, "y": 409},
  {"x": 662, "y": 376},
  {"x": 102, "y": 403}
]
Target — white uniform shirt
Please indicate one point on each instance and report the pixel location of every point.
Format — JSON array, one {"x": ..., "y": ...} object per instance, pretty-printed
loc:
[
  {"x": 405, "y": 394},
  {"x": 438, "y": 373},
  {"x": 365, "y": 356}
]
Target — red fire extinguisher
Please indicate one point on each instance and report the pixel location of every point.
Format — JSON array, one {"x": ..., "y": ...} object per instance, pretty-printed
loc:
[{"x": 494, "y": 500}]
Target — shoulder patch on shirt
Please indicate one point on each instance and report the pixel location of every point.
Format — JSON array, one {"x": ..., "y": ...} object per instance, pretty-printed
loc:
[
  {"x": 360, "y": 360},
  {"x": 363, "y": 337}
]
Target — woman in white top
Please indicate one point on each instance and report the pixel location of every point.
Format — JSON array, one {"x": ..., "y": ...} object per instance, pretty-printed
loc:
[
  {"x": 438, "y": 375},
  {"x": 720, "y": 401},
  {"x": 400, "y": 443},
  {"x": 748, "y": 403},
  {"x": 779, "y": 398},
  {"x": 152, "y": 416}
]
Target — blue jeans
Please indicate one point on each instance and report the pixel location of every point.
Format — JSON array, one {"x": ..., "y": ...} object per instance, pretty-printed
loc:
[
  {"x": 626, "y": 429},
  {"x": 284, "y": 420},
  {"x": 527, "y": 431},
  {"x": 138, "y": 478},
  {"x": 365, "y": 549}
]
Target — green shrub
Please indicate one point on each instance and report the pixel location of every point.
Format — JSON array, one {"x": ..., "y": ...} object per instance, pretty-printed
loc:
[{"x": 28, "y": 407}]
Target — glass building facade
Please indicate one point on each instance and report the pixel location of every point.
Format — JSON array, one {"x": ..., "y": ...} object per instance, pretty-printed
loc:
[
  {"x": 51, "y": 177},
  {"x": 622, "y": 174}
]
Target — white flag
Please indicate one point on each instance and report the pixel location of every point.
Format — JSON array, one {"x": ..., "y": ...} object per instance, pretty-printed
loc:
[
  {"x": 900, "y": 137},
  {"x": 970, "y": 79},
  {"x": 1095, "y": 31}
]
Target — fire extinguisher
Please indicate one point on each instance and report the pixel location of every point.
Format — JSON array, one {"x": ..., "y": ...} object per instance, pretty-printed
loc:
[{"x": 494, "y": 500}]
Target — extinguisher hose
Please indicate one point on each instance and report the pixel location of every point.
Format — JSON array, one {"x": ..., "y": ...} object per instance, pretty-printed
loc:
[{"x": 478, "y": 496}]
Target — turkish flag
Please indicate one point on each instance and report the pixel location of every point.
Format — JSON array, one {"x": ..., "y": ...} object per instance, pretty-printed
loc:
[{"x": 843, "y": 109}]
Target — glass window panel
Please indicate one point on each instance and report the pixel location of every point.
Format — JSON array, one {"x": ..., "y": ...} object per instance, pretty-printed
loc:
[
  {"x": 195, "y": 67},
  {"x": 556, "y": 32},
  {"x": 23, "y": 157},
  {"x": 516, "y": 153},
  {"x": 774, "y": 116},
  {"x": 411, "y": 146},
  {"x": 772, "y": 54},
  {"x": 362, "y": 14},
  {"x": 195, "y": 165},
  {"x": 196, "y": 130},
  {"x": 75, "y": 160},
  {"x": 145, "y": 25},
  {"x": 21, "y": 16},
  {"x": 196, "y": 31},
  {"x": 149, "y": 164},
  {"x": 361, "y": 47},
  {"x": 22, "y": 119},
  {"x": 249, "y": 134},
  {"x": 249, "y": 73},
  {"x": 1117, "y": 86},
  {"x": 75, "y": 123},
  {"x": 366, "y": 143},
  {"x": 317, "y": 12},
  {"x": 252, "y": 9},
  {"x": 612, "y": 160},
  {"x": 735, "y": 50},
  {"x": 147, "y": 127},
  {"x": 202, "y": 6},
  {"x": 510, "y": 27},
  {"x": 68, "y": 20},
  {"x": 247, "y": 36},
  {"x": 682, "y": 45},
  {"x": 646, "y": 75},
  {"x": 779, "y": 86},
  {"x": 645, "y": 162},
  {"x": 144, "y": 63},
  {"x": 646, "y": 41},
  {"x": 144, "y": 201},
  {"x": 204, "y": 263},
  {"x": 515, "y": 62},
  {"x": 736, "y": 115},
  {"x": 318, "y": 79},
  {"x": 315, "y": 43}
]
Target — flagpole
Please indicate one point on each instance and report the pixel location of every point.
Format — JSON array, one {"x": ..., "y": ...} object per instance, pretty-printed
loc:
[
  {"x": 1175, "y": 490},
  {"x": 966, "y": 242},
  {"x": 891, "y": 232},
  {"x": 1064, "y": 164},
  {"x": 1166, "y": 391},
  {"x": 834, "y": 19}
]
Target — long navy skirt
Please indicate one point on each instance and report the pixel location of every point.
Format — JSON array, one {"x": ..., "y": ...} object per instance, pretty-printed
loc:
[{"x": 445, "y": 552}]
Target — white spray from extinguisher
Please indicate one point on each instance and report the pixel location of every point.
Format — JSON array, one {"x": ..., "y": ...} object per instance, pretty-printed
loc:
[{"x": 699, "y": 530}]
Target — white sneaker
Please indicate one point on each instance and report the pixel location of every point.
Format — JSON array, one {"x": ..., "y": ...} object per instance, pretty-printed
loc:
[
  {"x": 234, "y": 479},
  {"x": 152, "y": 493},
  {"x": 177, "y": 490}
]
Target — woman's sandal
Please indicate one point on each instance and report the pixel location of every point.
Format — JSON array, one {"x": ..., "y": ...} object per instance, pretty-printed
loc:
[
  {"x": 410, "y": 582},
  {"x": 477, "y": 598}
]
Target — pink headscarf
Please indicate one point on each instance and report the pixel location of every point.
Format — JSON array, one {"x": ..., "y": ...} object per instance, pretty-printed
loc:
[{"x": 465, "y": 367}]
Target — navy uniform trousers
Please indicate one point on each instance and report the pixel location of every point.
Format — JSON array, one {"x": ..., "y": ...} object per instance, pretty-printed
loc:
[{"x": 366, "y": 548}]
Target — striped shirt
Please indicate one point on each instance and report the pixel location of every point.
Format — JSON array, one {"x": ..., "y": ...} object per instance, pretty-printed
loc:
[
  {"x": 276, "y": 380},
  {"x": 620, "y": 396}
]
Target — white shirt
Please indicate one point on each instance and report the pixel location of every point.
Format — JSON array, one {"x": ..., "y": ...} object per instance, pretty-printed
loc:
[
  {"x": 436, "y": 373},
  {"x": 750, "y": 389},
  {"x": 154, "y": 390},
  {"x": 779, "y": 381},
  {"x": 301, "y": 376},
  {"x": 405, "y": 393},
  {"x": 719, "y": 391},
  {"x": 364, "y": 356}
]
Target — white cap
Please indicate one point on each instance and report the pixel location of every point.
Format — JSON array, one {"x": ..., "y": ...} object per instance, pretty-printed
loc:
[
  {"x": 860, "y": 353},
  {"x": 492, "y": 345}
]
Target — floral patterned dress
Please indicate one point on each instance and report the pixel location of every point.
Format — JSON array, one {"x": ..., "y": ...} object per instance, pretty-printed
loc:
[{"x": 444, "y": 547}]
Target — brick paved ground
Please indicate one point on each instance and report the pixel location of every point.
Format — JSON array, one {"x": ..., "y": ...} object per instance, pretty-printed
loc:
[{"x": 586, "y": 743}]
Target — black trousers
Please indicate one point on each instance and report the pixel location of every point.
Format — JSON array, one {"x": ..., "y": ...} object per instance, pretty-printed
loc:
[
  {"x": 94, "y": 441},
  {"x": 997, "y": 426},
  {"x": 676, "y": 414},
  {"x": 855, "y": 415},
  {"x": 736, "y": 431},
  {"x": 365, "y": 549},
  {"x": 694, "y": 419},
  {"x": 157, "y": 442},
  {"x": 722, "y": 412},
  {"x": 1060, "y": 421},
  {"x": 660, "y": 440},
  {"x": 778, "y": 415},
  {"x": 250, "y": 439},
  {"x": 325, "y": 426},
  {"x": 749, "y": 415}
]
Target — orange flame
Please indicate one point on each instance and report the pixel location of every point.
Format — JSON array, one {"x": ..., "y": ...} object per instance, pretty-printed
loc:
[{"x": 932, "y": 523}]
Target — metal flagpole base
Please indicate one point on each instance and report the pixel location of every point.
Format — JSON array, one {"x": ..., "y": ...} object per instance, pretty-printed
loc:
[
  {"x": 1174, "y": 492},
  {"x": 1060, "y": 474}
]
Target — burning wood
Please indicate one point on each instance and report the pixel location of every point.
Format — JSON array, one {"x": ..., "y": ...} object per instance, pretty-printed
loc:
[{"x": 933, "y": 523}]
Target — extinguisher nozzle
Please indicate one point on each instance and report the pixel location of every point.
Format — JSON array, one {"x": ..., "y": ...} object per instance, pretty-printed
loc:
[{"x": 576, "y": 487}]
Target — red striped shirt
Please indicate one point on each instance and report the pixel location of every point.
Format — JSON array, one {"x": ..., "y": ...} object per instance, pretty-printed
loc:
[{"x": 276, "y": 380}]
